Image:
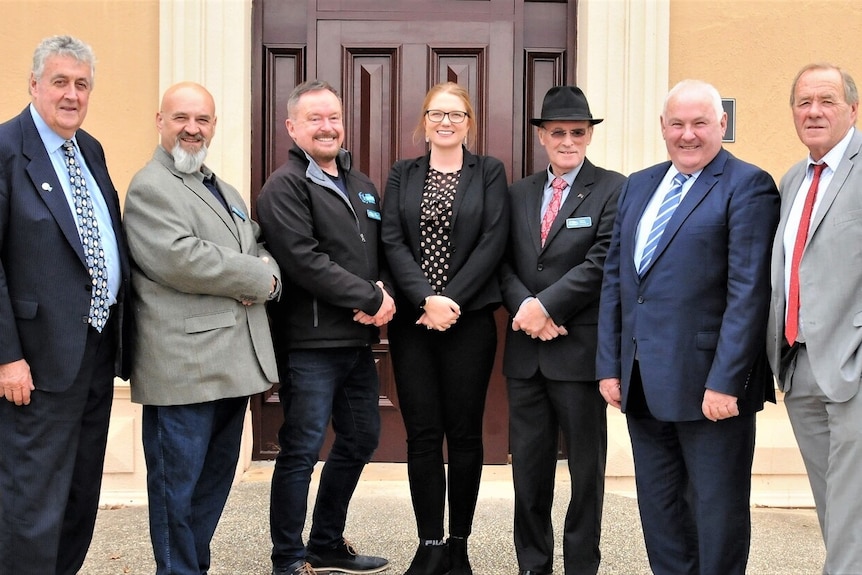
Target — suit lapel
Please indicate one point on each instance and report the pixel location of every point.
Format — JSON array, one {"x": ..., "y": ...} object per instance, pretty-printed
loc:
[
  {"x": 533, "y": 208},
  {"x": 198, "y": 188},
  {"x": 414, "y": 190},
  {"x": 576, "y": 196},
  {"x": 838, "y": 179},
  {"x": 468, "y": 169},
  {"x": 699, "y": 189},
  {"x": 47, "y": 185},
  {"x": 97, "y": 168},
  {"x": 640, "y": 203}
]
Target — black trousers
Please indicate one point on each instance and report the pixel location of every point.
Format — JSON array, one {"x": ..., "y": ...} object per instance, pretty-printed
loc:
[
  {"x": 442, "y": 380},
  {"x": 539, "y": 409}
]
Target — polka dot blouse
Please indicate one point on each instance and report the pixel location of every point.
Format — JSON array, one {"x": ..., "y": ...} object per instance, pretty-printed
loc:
[{"x": 436, "y": 225}]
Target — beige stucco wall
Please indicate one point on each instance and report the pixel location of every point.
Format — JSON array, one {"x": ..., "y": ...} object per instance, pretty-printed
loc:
[
  {"x": 124, "y": 35},
  {"x": 751, "y": 50}
]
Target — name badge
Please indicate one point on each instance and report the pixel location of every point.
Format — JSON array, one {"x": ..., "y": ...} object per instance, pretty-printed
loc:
[
  {"x": 585, "y": 222},
  {"x": 373, "y": 214},
  {"x": 366, "y": 198}
]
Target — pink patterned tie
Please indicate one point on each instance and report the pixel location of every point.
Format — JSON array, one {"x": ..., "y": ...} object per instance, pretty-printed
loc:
[{"x": 559, "y": 184}]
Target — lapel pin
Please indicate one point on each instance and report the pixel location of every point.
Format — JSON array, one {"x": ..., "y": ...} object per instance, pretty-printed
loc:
[
  {"x": 46, "y": 186},
  {"x": 580, "y": 196}
]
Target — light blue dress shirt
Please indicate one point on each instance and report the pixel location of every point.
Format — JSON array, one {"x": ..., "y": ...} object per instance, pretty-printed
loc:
[{"x": 54, "y": 146}]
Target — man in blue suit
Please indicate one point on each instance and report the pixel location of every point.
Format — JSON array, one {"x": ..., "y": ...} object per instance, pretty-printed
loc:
[
  {"x": 63, "y": 272},
  {"x": 682, "y": 325}
]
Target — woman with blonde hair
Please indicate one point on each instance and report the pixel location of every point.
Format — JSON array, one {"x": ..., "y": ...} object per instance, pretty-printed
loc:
[{"x": 445, "y": 224}]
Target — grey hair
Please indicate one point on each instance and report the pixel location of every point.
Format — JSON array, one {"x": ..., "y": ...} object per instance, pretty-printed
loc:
[
  {"x": 305, "y": 88},
  {"x": 63, "y": 46},
  {"x": 686, "y": 85},
  {"x": 851, "y": 94}
]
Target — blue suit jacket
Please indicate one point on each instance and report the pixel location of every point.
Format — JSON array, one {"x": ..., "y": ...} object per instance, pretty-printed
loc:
[
  {"x": 696, "y": 320},
  {"x": 44, "y": 283}
]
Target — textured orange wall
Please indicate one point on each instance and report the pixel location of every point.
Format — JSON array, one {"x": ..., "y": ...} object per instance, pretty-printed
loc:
[
  {"x": 751, "y": 50},
  {"x": 124, "y": 35}
]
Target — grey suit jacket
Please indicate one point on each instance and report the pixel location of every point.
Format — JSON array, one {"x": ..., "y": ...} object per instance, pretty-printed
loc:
[
  {"x": 830, "y": 276},
  {"x": 193, "y": 261}
]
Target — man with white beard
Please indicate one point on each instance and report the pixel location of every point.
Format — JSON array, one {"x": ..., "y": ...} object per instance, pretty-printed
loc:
[{"x": 200, "y": 277}]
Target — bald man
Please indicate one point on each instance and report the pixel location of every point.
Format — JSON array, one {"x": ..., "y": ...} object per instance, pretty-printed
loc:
[{"x": 200, "y": 277}]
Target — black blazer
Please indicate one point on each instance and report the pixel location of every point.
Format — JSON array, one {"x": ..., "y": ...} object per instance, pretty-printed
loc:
[
  {"x": 480, "y": 225},
  {"x": 566, "y": 275},
  {"x": 44, "y": 283}
]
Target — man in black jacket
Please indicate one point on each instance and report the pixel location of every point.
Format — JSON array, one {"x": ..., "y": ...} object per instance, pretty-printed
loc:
[{"x": 321, "y": 222}]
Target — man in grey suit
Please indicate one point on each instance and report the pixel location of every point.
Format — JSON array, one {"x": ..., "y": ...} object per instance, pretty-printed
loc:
[
  {"x": 200, "y": 277},
  {"x": 815, "y": 322}
]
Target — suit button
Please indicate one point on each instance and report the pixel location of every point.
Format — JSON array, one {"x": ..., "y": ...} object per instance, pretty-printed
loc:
[
  {"x": 540, "y": 267},
  {"x": 85, "y": 319},
  {"x": 640, "y": 299},
  {"x": 88, "y": 288}
]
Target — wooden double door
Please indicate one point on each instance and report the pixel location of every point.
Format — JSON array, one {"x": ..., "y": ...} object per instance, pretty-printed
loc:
[{"x": 382, "y": 56}]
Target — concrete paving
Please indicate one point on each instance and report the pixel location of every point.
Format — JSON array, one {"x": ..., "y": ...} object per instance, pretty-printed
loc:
[{"x": 784, "y": 541}]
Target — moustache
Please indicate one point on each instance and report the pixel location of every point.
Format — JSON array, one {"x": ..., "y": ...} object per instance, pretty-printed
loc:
[{"x": 186, "y": 135}]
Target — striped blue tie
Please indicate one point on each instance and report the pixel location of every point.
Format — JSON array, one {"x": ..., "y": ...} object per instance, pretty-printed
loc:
[{"x": 665, "y": 211}]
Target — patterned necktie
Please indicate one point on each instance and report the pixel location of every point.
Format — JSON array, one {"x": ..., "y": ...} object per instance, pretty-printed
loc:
[
  {"x": 665, "y": 211},
  {"x": 791, "y": 324},
  {"x": 559, "y": 184},
  {"x": 88, "y": 228}
]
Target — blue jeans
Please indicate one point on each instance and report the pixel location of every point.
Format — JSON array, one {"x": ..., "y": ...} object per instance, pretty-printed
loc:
[
  {"x": 191, "y": 452},
  {"x": 336, "y": 383}
]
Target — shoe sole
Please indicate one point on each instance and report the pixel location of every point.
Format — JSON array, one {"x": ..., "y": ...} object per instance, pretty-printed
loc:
[{"x": 337, "y": 570}]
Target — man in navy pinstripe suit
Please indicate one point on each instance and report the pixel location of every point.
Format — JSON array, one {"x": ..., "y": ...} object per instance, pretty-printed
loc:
[{"x": 57, "y": 357}]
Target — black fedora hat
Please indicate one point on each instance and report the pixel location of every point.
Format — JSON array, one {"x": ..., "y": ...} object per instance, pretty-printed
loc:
[{"x": 565, "y": 103}]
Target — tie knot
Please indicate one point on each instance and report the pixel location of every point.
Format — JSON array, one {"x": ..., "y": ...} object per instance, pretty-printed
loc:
[
  {"x": 69, "y": 147},
  {"x": 680, "y": 178},
  {"x": 559, "y": 184},
  {"x": 818, "y": 168}
]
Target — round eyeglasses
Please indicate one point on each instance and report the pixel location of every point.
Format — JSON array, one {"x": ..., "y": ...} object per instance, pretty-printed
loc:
[{"x": 437, "y": 116}]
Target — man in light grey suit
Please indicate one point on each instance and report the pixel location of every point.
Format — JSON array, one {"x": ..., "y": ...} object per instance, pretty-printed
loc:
[
  {"x": 815, "y": 324},
  {"x": 200, "y": 277}
]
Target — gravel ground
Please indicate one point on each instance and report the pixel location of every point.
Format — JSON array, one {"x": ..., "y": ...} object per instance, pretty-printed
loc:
[{"x": 784, "y": 542}]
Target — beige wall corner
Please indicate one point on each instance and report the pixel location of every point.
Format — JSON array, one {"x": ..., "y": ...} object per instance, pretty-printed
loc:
[
  {"x": 124, "y": 37},
  {"x": 751, "y": 51}
]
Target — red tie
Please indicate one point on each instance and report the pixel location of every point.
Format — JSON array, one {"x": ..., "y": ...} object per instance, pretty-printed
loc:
[
  {"x": 559, "y": 184},
  {"x": 791, "y": 325}
]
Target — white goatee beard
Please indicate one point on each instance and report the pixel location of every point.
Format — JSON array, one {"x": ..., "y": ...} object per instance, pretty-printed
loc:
[{"x": 186, "y": 162}]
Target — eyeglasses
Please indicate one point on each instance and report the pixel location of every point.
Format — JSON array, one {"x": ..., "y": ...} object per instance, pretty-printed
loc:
[
  {"x": 437, "y": 116},
  {"x": 576, "y": 134}
]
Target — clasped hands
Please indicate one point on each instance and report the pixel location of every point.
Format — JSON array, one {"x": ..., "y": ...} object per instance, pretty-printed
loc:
[
  {"x": 441, "y": 313},
  {"x": 531, "y": 319},
  {"x": 384, "y": 312},
  {"x": 272, "y": 286}
]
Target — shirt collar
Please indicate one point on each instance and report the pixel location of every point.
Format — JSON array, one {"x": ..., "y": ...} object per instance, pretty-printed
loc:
[
  {"x": 833, "y": 156},
  {"x": 569, "y": 177},
  {"x": 51, "y": 139}
]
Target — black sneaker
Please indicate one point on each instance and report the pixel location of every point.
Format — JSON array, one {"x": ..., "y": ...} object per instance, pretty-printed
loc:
[
  {"x": 296, "y": 568},
  {"x": 344, "y": 559}
]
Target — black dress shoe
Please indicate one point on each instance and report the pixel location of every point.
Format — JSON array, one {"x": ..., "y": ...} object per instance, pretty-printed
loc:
[{"x": 344, "y": 559}]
